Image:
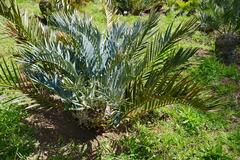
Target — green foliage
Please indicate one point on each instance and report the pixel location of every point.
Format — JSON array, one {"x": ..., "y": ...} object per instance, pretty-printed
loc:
[
  {"x": 142, "y": 145},
  {"x": 114, "y": 75},
  {"x": 48, "y": 6},
  {"x": 183, "y": 6},
  {"x": 181, "y": 133},
  {"x": 203, "y": 40},
  {"x": 18, "y": 25},
  {"x": 211, "y": 70},
  {"x": 97, "y": 14},
  {"x": 223, "y": 80},
  {"x": 234, "y": 139},
  {"x": 215, "y": 152},
  {"x": 136, "y": 7},
  {"x": 190, "y": 120},
  {"x": 15, "y": 137},
  {"x": 16, "y": 84},
  {"x": 172, "y": 132},
  {"x": 221, "y": 15}
]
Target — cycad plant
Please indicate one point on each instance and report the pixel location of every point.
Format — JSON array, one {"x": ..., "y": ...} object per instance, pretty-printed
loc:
[
  {"x": 102, "y": 78},
  {"x": 223, "y": 16}
]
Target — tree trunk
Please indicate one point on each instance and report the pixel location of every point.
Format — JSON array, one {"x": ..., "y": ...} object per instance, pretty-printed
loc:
[{"x": 226, "y": 46}]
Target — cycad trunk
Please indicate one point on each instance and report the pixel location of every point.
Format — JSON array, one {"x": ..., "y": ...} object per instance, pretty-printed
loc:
[
  {"x": 226, "y": 46},
  {"x": 93, "y": 117}
]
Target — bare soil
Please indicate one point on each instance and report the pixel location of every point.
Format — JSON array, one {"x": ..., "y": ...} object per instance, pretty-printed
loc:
[
  {"x": 53, "y": 124},
  {"x": 58, "y": 133}
]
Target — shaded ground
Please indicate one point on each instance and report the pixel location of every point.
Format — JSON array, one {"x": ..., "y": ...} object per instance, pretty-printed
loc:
[
  {"x": 54, "y": 124},
  {"x": 58, "y": 134},
  {"x": 55, "y": 129}
]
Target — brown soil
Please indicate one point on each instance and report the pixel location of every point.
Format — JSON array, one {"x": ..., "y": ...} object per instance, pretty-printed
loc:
[
  {"x": 56, "y": 132},
  {"x": 202, "y": 53},
  {"x": 53, "y": 124},
  {"x": 227, "y": 80}
]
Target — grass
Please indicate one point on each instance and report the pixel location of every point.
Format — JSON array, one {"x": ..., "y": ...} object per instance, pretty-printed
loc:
[
  {"x": 16, "y": 140},
  {"x": 29, "y": 6},
  {"x": 172, "y": 132},
  {"x": 96, "y": 12},
  {"x": 7, "y": 44},
  {"x": 184, "y": 133}
]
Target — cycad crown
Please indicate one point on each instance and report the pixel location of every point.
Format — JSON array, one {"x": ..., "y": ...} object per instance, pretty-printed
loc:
[{"x": 108, "y": 76}]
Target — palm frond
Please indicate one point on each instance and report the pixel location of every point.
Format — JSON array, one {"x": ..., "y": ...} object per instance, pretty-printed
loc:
[
  {"x": 126, "y": 70},
  {"x": 19, "y": 26},
  {"x": 14, "y": 87},
  {"x": 110, "y": 12},
  {"x": 222, "y": 16}
]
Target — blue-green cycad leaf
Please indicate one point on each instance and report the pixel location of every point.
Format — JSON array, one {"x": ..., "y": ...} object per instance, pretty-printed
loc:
[{"x": 120, "y": 73}]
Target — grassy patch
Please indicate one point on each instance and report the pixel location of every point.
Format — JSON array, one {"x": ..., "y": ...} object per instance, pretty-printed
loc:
[
  {"x": 16, "y": 140},
  {"x": 212, "y": 71},
  {"x": 7, "y": 44},
  {"x": 30, "y": 6},
  {"x": 184, "y": 133}
]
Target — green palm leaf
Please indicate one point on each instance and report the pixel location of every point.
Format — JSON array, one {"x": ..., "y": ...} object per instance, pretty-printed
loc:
[
  {"x": 120, "y": 73},
  {"x": 14, "y": 86}
]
